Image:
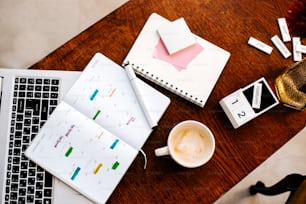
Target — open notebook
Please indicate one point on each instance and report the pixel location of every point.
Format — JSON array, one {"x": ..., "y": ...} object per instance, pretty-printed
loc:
[
  {"x": 95, "y": 133},
  {"x": 191, "y": 73}
]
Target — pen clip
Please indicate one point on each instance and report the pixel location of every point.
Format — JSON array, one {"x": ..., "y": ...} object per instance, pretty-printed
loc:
[{"x": 126, "y": 63}]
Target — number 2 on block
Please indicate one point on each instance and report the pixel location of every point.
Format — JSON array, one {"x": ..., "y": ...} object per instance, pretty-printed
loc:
[{"x": 241, "y": 114}]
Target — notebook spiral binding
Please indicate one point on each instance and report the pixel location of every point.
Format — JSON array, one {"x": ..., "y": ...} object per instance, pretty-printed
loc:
[{"x": 163, "y": 83}]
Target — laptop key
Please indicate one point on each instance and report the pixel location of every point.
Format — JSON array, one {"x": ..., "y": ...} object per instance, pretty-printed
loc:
[
  {"x": 8, "y": 182},
  {"x": 31, "y": 181},
  {"x": 37, "y": 95},
  {"x": 28, "y": 114},
  {"x": 46, "y": 88},
  {"x": 47, "y": 201},
  {"x": 7, "y": 197},
  {"x": 40, "y": 176},
  {"x": 44, "y": 109},
  {"x": 14, "y": 196},
  {"x": 38, "y": 194},
  {"x": 9, "y": 160},
  {"x": 30, "y": 88},
  {"x": 32, "y": 136},
  {"x": 15, "y": 169},
  {"x": 18, "y": 134},
  {"x": 17, "y": 143},
  {"x": 18, "y": 126},
  {"x": 22, "y": 94},
  {"x": 47, "y": 81},
  {"x": 35, "y": 120},
  {"x": 30, "y": 94},
  {"x": 45, "y": 95},
  {"x": 21, "y": 200},
  {"x": 36, "y": 107},
  {"x": 38, "y": 201},
  {"x": 53, "y": 102},
  {"x": 38, "y": 81},
  {"x": 54, "y": 88},
  {"x": 26, "y": 130},
  {"x": 30, "y": 198},
  {"x": 23, "y": 80},
  {"x": 48, "y": 179},
  {"x": 23, "y": 174},
  {"x": 10, "y": 152},
  {"x": 24, "y": 165},
  {"x": 48, "y": 192},
  {"x": 22, "y": 192},
  {"x": 17, "y": 152},
  {"x": 14, "y": 187},
  {"x": 22, "y": 87},
  {"x": 29, "y": 104},
  {"x": 23, "y": 183},
  {"x": 16, "y": 160},
  {"x": 25, "y": 139},
  {"x": 31, "y": 164},
  {"x": 35, "y": 129},
  {"x": 54, "y": 95},
  {"x": 32, "y": 172},
  {"x": 38, "y": 88},
  {"x": 20, "y": 105},
  {"x": 31, "y": 80},
  {"x": 31, "y": 190},
  {"x": 55, "y": 82},
  {"x": 15, "y": 178},
  {"x": 39, "y": 186}
]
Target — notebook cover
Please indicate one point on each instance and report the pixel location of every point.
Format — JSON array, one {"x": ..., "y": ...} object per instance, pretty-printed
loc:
[{"x": 191, "y": 73}]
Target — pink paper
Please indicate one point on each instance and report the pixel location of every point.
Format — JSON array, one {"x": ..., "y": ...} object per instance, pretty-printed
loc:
[{"x": 179, "y": 60}]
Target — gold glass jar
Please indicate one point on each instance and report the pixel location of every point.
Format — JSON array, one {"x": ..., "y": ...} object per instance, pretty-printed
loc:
[{"x": 290, "y": 86}]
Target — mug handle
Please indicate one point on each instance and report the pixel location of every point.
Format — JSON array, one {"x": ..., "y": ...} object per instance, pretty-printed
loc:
[{"x": 162, "y": 151}]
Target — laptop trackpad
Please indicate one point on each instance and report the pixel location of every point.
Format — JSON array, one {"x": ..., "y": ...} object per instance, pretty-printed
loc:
[{"x": 64, "y": 194}]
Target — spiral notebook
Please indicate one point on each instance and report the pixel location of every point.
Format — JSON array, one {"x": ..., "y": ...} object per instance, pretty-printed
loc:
[
  {"x": 95, "y": 133},
  {"x": 191, "y": 73}
]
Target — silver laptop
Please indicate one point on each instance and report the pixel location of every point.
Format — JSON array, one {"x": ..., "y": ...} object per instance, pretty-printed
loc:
[{"x": 28, "y": 97}]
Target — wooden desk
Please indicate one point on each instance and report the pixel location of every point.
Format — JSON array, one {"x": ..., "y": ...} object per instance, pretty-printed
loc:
[{"x": 227, "y": 24}]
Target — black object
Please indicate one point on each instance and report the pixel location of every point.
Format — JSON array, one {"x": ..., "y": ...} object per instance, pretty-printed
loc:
[{"x": 290, "y": 183}]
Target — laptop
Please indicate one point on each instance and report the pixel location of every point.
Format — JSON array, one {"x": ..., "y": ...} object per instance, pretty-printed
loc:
[{"x": 28, "y": 97}]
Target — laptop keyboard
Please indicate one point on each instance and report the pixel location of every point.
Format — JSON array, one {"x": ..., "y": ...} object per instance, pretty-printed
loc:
[{"x": 34, "y": 100}]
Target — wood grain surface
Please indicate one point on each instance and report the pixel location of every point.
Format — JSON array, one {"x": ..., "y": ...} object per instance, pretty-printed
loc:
[{"x": 228, "y": 24}]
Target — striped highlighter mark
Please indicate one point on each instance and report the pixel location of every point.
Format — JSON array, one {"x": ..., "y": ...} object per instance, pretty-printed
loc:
[
  {"x": 94, "y": 94},
  {"x": 114, "y": 144},
  {"x": 75, "y": 173},
  {"x": 115, "y": 165},
  {"x": 96, "y": 115},
  {"x": 97, "y": 169},
  {"x": 100, "y": 135},
  {"x": 112, "y": 93},
  {"x": 68, "y": 151}
]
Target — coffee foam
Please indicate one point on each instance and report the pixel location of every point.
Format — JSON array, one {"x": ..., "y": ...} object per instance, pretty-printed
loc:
[{"x": 191, "y": 144}]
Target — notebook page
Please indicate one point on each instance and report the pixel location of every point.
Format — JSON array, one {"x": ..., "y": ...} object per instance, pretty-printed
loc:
[
  {"x": 81, "y": 153},
  {"x": 104, "y": 94}
]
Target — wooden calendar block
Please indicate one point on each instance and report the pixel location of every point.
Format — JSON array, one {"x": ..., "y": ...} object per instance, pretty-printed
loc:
[
  {"x": 249, "y": 102},
  {"x": 243, "y": 114}
]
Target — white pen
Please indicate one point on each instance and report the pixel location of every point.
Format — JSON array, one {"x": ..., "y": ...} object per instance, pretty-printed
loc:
[{"x": 133, "y": 79}]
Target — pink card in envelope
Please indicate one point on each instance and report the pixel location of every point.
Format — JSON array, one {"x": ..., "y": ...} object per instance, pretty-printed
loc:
[{"x": 179, "y": 60}]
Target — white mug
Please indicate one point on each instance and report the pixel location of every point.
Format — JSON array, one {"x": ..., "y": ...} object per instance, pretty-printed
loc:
[{"x": 190, "y": 144}]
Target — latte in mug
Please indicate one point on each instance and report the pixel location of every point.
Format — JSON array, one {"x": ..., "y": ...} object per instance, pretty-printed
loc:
[{"x": 190, "y": 144}]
